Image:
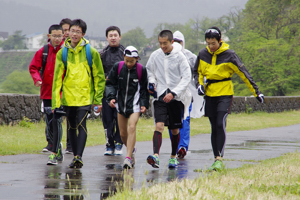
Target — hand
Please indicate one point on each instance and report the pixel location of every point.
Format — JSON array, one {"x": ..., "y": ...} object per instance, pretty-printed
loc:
[
  {"x": 261, "y": 98},
  {"x": 143, "y": 109},
  {"x": 112, "y": 103},
  {"x": 201, "y": 90},
  {"x": 38, "y": 83},
  {"x": 152, "y": 90},
  {"x": 99, "y": 108},
  {"x": 168, "y": 97}
]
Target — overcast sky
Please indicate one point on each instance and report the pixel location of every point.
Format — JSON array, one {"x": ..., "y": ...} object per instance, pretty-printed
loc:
[{"x": 32, "y": 16}]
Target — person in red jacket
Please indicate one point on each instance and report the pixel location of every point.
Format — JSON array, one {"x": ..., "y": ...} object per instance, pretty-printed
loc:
[{"x": 43, "y": 77}]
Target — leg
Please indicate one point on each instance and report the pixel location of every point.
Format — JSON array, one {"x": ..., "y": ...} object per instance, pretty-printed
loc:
[
  {"x": 175, "y": 141},
  {"x": 108, "y": 123},
  {"x": 116, "y": 131},
  {"x": 131, "y": 130},
  {"x": 82, "y": 131},
  {"x": 122, "y": 122},
  {"x": 72, "y": 128}
]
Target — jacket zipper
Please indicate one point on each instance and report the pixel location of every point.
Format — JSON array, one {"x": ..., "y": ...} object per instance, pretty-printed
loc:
[{"x": 126, "y": 90}]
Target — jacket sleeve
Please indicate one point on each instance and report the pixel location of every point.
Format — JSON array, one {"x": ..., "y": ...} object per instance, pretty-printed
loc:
[
  {"x": 112, "y": 83},
  {"x": 99, "y": 78},
  {"x": 36, "y": 65},
  {"x": 197, "y": 73},
  {"x": 151, "y": 69},
  {"x": 241, "y": 70},
  {"x": 57, "y": 80},
  {"x": 144, "y": 94},
  {"x": 185, "y": 72}
]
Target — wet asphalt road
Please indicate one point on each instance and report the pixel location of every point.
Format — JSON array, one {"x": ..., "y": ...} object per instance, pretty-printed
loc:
[{"x": 28, "y": 176}]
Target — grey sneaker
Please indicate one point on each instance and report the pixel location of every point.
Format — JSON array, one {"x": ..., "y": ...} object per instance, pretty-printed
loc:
[
  {"x": 118, "y": 149},
  {"x": 52, "y": 160},
  {"x": 127, "y": 163},
  {"x": 59, "y": 155}
]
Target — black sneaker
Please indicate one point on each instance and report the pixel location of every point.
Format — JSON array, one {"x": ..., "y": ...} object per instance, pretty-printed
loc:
[
  {"x": 47, "y": 148},
  {"x": 69, "y": 150},
  {"x": 78, "y": 162},
  {"x": 72, "y": 164}
]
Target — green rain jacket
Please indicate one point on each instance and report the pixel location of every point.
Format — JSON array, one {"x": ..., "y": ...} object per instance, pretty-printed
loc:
[{"x": 77, "y": 85}]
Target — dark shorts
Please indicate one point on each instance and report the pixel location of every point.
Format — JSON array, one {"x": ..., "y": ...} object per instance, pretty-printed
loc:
[
  {"x": 213, "y": 105},
  {"x": 170, "y": 114}
]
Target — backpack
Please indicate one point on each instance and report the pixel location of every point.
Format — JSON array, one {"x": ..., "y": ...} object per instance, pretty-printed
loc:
[
  {"x": 139, "y": 68},
  {"x": 44, "y": 61},
  {"x": 88, "y": 56}
]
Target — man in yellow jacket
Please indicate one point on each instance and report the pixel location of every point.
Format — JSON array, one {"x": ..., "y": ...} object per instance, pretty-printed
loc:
[
  {"x": 82, "y": 86},
  {"x": 217, "y": 63}
]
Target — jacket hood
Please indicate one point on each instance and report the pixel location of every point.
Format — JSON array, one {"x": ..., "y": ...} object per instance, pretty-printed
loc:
[
  {"x": 222, "y": 48},
  {"x": 81, "y": 43},
  {"x": 180, "y": 36}
]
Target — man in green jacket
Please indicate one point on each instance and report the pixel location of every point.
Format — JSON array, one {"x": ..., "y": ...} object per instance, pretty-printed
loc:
[{"x": 82, "y": 87}]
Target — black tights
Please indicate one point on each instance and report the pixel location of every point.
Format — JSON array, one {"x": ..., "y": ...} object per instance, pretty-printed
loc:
[
  {"x": 218, "y": 133},
  {"x": 76, "y": 119}
]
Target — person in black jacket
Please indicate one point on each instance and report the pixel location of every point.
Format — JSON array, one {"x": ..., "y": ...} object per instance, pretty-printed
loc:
[
  {"x": 110, "y": 55},
  {"x": 126, "y": 90}
]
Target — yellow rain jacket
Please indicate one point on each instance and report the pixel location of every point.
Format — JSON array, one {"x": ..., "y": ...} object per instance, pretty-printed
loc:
[
  {"x": 78, "y": 86},
  {"x": 218, "y": 68}
]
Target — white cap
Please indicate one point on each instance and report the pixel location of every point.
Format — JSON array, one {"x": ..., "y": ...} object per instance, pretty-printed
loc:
[{"x": 131, "y": 51}]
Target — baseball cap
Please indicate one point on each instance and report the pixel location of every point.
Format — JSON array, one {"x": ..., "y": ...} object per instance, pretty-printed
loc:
[{"x": 131, "y": 51}]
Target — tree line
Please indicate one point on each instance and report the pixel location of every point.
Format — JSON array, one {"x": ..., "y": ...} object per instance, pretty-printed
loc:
[{"x": 265, "y": 35}]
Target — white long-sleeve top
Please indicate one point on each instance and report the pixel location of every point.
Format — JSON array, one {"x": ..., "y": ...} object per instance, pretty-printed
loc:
[{"x": 170, "y": 71}]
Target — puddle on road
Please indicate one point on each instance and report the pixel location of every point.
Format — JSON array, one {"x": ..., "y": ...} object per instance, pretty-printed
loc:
[{"x": 252, "y": 144}]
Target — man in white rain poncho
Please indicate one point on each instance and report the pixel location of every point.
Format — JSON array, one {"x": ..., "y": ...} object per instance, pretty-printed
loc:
[
  {"x": 197, "y": 101},
  {"x": 169, "y": 75}
]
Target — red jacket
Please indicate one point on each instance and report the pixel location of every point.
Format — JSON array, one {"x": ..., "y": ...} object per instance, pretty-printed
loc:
[{"x": 36, "y": 65}]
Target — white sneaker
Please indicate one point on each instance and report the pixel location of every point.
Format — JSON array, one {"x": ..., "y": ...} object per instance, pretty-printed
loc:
[
  {"x": 127, "y": 163},
  {"x": 118, "y": 149},
  {"x": 133, "y": 157},
  {"x": 109, "y": 151}
]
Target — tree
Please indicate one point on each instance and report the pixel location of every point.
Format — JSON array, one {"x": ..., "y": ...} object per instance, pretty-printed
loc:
[
  {"x": 135, "y": 37},
  {"x": 15, "y": 41},
  {"x": 19, "y": 82}
]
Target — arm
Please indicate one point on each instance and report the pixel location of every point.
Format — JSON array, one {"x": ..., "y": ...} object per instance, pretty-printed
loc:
[
  {"x": 144, "y": 94},
  {"x": 150, "y": 70},
  {"x": 185, "y": 72},
  {"x": 112, "y": 83},
  {"x": 57, "y": 80},
  {"x": 197, "y": 73},
  {"x": 35, "y": 67}
]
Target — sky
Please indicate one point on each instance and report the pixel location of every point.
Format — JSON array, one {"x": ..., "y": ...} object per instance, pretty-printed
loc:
[{"x": 33, "y": 16}]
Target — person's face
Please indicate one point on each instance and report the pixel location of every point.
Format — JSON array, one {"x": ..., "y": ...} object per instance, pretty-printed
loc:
[
  {"x": 76, "y": 35},
  {"x": 56, "y": 37},
  {"x": 130, "y": 61},
  {"x": 212, "y": 44},
  {"x": 113, "y": 38},
  {"x": 165, "y": 44},
  {"x": 66, "y": 28}
]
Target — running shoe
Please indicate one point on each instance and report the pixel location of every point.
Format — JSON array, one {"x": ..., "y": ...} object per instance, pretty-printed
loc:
[
  {"x": 47, "y": 148},
  {"x": 52, "y": 160},
  {"x": 69, "y": 150},
  {"x": 72, "y": 164},
  {"x": 127, "y": 163},
  {"x": 173, "y": 163},
  {"x": 118, "y": 149},
  {"x": 109, "y": 151},
  {"x": 133, "y": 157},
  {"x": 59, "y": 155},
  {"x": 217, "y": 166},
  {"x": 181, "y": 152},
  {"x": 153, "y": 161},
  {"x": 78, "y": 162}
]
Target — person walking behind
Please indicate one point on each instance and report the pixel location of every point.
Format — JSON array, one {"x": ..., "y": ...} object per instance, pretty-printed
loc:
[
  {"x": 169, "y": 75},
  {"x": 41, "y": 69},
  {"x": 110, "y": 55},
  {"x": 218, "y": 63},
  {"x": 126, "y": 90},
  {"x": 82, "y": 86}
]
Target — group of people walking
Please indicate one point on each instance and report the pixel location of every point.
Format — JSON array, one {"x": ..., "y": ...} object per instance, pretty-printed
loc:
[{"x": 76, "y": 79}]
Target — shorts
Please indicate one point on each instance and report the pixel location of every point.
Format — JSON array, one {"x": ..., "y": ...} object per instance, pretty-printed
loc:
[
  {"x": 170, "y": 114},
  {"x": 213, "y": 105}
]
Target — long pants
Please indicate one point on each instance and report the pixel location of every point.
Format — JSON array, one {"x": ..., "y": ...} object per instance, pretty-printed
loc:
[
  {"x": 76, "y": 119},
  {"x": 184, "y": 132},
  {"x": 110, "y": 124},
  {"x": 53, "y": 127}
]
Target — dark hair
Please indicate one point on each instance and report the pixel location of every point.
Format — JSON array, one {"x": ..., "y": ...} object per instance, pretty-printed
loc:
[
  {"x": 80, "y": 23},
  {"x": 166, "y": 33},
  {"x": 65, "y": 21},
  {"x": 209, "y": 33},
  {"x": 55, "y": 27},
  {"x": 113, "y": 28}
]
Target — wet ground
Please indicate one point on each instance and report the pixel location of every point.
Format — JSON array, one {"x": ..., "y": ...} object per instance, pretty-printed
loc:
[{"x": 28, "y": 176}]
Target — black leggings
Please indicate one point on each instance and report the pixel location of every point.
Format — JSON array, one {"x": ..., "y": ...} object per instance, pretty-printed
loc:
[
  {"x": 218, "y": 133},
  {"x": 76, "y": 119}
]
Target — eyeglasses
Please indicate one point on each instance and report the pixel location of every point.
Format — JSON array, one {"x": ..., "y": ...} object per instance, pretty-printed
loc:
[
  {"x": 77, "y": 32},
  {"x": 212, "y": 31},
  {"x": 57, "y": 36}
]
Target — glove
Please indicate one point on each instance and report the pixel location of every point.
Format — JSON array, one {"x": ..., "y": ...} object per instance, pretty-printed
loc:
[
  {"x": 201, "y": 90},
  {"x": 260, "y": 98}
]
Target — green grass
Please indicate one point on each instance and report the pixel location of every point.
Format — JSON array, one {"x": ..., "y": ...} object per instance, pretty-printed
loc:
[
  {"x": 277, "y": 178},
  {"x": 30, "y": 137}
]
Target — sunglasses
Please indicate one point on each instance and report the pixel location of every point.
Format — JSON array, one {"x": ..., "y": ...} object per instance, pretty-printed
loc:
[{"x": 212, "y": 31}]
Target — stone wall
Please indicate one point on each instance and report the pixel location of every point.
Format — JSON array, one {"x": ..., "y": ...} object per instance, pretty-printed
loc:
[{"x": 13, "y": 107}]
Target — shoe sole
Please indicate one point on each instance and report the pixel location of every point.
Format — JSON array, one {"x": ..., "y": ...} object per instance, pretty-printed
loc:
[
  {"x": 152, "y": 162},
  {"x": 127, "y": 166},
  {"x": 108, "y": 154},
  {"x": 172, "y": 166},
  {"x": 181, "y": 153},
  {"x": 68, "y": 152},
  {"x": 45, "y": 150},
  {"x": 51, "y": 163}
]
